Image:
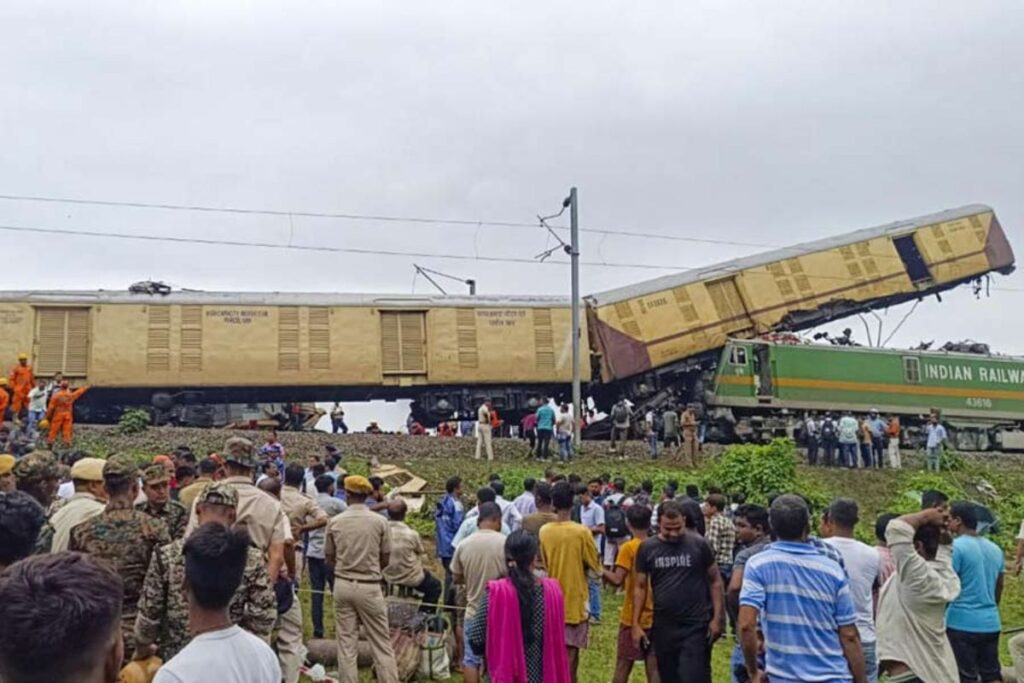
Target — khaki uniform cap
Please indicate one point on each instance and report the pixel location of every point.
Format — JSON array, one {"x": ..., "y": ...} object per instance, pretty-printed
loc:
[
  {"x": 88, "y": 469},
  {"x": 358, "y": 484}
]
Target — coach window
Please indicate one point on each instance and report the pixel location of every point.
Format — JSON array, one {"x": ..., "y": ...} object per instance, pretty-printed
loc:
[
  {"x": 738, "y": 356},
  {"x": 912, "y": 370}
]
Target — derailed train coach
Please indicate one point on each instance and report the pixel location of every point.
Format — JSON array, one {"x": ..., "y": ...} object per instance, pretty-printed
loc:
[
  {"x": 652, "y": 339},
  {"x": 188, "y": 355}
]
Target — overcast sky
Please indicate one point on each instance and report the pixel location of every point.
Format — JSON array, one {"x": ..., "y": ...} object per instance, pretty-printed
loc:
[{"x": 757, "y": 122}]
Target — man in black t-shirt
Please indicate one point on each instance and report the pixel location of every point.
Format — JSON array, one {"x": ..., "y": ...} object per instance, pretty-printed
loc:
[{"x": 679, "y": 566}]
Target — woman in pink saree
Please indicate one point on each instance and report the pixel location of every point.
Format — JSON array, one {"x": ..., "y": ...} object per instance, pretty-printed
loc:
[{"x": 520, "y": 624}]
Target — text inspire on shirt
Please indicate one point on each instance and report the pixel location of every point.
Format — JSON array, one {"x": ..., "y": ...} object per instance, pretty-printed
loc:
[{"x": 682, "y": 560}]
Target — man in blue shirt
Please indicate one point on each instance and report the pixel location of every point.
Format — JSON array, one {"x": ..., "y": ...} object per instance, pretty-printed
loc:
[
  {"x": 877, "y": 426},
  {"x": 448, "y": 518},
  {"x": 933, "y": 448},
  {"x": 545, "y": 428},
  {"x": 802, "y": 600},
  {"x": 972, "y": 620}
]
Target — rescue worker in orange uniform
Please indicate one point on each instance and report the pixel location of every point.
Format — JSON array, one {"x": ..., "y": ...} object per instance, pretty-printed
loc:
[
  {"x": 22, "y": 380},
  {"x": 5, "y": 399},
  {"x": 59, "y": 413}
]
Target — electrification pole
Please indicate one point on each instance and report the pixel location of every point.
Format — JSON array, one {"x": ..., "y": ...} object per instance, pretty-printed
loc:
[{"x": 574, "y": 255}]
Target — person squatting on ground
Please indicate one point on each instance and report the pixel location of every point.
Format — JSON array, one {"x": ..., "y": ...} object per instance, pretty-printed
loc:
[{"x": 405, "y": 565}]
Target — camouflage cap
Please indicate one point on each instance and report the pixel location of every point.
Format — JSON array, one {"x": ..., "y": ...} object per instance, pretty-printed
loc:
[
  {"x": 219, "y": 493},
  {"x": 37, "y": 466},
  {"x": 155, "y": 474},
  {"x": 121, "y": 466},
  {"x": 241, "y": 452}
]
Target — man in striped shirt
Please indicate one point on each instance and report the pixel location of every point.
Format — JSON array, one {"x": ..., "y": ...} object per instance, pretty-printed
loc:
[{"x": 802, "y": 600}]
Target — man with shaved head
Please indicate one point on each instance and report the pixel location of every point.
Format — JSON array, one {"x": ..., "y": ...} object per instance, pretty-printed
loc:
[{"x": 406, "y": 565}]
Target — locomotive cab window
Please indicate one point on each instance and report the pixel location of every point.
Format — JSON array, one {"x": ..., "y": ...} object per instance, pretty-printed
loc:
[
  {"x": 738, "y": 356},
  {"x": 912, "y": 370}
]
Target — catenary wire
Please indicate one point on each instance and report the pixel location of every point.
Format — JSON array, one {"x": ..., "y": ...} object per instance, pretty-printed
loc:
[
  {"x": 385, "y": 218},
  {"x": 386, "y": 252}
]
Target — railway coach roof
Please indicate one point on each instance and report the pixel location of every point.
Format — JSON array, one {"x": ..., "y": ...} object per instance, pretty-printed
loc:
[
  {"x": 930, "y": 353},
  {"x": 194, "y": 297},
  {"x": 726, "y": 268}
]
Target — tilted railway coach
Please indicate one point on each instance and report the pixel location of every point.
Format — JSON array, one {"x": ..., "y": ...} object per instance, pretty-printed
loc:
[
  {"x": 184, "y": 352},
  {"x": 762, "y": 389},
  {"x": 648, "y": 338}
]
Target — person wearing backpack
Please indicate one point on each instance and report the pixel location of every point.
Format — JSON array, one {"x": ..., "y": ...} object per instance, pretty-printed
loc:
[
  {"x": 620, "y": 424},
  {"x": 615, "y": 530},
  {"x": 829, "y": 439}
]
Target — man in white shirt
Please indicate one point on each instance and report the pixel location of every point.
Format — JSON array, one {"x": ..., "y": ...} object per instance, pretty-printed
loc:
[
  {"x": 220, "y": 651},
  {"x": 510, "y": 515},
  {"x": 319, "y": 576},
  {"x": 592, "y": 517},
  {"x": 863, "y": 567},
  {"x": 37, "y": 403},
  {"x": 912, "y": 641},
  {"x": 525, "y": 503},
  {"x": 469, "y": 523}
]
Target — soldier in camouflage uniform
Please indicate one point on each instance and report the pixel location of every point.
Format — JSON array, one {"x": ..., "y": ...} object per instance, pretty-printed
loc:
[
  {"x": 122, "y": 537},
  {"x": 157, "y": 487},
  {"x": 36, "y": 475},
  {"x": 163, "y": 611}
]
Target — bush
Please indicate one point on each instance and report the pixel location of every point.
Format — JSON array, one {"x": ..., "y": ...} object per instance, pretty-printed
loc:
[
  {"x": 133, "y": 421},
  {"x": 759, "y": 471}
]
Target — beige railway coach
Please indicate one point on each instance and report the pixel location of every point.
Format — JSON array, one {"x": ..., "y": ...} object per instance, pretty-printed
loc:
[
  {"x": 658, "y": 323},
  {"x": 189, "y": 339}
]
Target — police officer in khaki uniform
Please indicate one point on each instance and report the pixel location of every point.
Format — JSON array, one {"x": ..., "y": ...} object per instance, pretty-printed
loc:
[
  {"x": 357, "y": 548},
  {"x": 88, "y": 501},
  {"x": 268, "y": 528}
]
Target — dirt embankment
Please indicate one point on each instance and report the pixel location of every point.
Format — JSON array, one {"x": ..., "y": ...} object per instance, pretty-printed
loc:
[{"x": 104, "y": 440}]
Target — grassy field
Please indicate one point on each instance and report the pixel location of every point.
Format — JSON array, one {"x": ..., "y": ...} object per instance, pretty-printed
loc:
[{"x": 998, "y": 481}]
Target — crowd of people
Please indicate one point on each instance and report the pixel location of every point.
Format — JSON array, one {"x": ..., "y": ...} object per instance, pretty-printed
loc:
[
  {"x": 198, "y": 562},
  {"x": 202, "y": 572},
  {"x": 866, "y": 441}
]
